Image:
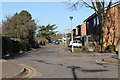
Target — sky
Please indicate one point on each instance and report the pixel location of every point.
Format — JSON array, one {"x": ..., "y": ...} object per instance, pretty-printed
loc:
[{"x": 48, "y": 13}]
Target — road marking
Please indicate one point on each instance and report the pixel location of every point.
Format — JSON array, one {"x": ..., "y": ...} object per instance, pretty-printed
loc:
[
  {"x": 100, "y": 61},
  {"x": 31, "y": 71}
]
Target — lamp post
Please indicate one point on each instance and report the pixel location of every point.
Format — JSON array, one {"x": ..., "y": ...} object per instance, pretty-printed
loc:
[
  {"x": 71, "y": 17},
  {"x": 65, "y": 38}
]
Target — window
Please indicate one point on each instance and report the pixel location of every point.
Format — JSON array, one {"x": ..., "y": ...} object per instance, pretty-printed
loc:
[
  {"x": 87, "y": 25},
  {"x": 94, "y": 22},
  {"x": 97, "y": 21}
]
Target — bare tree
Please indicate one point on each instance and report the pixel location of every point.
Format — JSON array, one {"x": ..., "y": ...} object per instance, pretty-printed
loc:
[{"x": 100, "y": 8}]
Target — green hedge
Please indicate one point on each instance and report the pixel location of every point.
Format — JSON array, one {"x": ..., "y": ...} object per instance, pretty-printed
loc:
[
  {"x": 13, "y": 47},
  {"x": 5, "y": 46},
  {"x": 24, "y": 46},
  {"x": 9, "y": 46}
]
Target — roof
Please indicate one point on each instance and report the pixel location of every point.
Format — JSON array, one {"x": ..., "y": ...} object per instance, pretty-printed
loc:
[
  {"x": 78, "y": 25},
  {"x": 94, "y": 14},
  {"x": 90, "y": 17}
]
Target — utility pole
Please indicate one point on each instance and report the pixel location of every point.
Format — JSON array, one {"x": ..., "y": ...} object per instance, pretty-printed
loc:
[{"x": 71, "y": 17}]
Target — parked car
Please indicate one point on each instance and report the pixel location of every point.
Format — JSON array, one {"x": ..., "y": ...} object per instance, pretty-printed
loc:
[
  {"x": 6, "y": 56},
  {"x": 75, "y": 44},
  {"x": 57, "y": 42}
]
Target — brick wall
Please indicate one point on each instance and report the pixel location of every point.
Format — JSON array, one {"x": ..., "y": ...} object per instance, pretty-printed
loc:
[
  {"x": 77, "y": 29},
  {"x": 112, "y": 34},
  {"x": 83, "y": 29}
]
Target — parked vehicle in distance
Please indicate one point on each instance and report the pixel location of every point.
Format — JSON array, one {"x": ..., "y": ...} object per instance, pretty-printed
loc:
[
  {"x": 57, "y": 42},
  {"x": 75, "y": 44}
]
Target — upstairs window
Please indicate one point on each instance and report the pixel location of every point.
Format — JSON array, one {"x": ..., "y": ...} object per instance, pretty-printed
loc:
[
  {"x": 97, "y": 21},
  {"x": 94, "y": 22}
]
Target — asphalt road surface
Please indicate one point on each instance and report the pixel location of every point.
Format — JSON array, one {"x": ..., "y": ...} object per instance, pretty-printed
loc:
[{"x": 47, "y": 61}]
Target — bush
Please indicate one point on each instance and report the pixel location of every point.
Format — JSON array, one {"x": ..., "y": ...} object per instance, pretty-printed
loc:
[
  {"x": 5, "y": 45},
  {"x": 67, "y": 42},
  {"x": 42, "y": 42},
  {"x": 12, "y": 47},
  {"x": 77, "y": 50},
  {"x": 46, "y": 41},
  {"x": 24, "y": 46},
  {"x": 9, "y": 46},
  {"x": 35, "y": 44},
  {"x": 60, "y": 40},
  {"x": 84, "y": 49},
  {"x": 111, "y": 48},
  {"x": 15, "y": 46},
  {"x": 97, "y": 48}
]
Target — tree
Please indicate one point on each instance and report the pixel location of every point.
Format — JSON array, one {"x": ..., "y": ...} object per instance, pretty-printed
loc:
[
  {"x": 101, "y": 8},
  {"x": 57, "y": 36},
  {"x": 20, "y": 26},
  {"x": 47, "y": 31}
]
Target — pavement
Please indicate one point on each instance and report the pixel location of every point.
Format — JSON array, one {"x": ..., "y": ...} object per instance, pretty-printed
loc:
[
  {"x": 107, "y": 57},
  {"x": 10, "y": 69}
]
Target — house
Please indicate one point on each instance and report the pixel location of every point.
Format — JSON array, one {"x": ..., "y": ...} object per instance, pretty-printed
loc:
[
  {"x": 78, "y": 30},
  {"x": 74, "y": 32},
  {"x": 68, "y": 35},
  {"x": 112, "y": 28},
  {"x": 81, "y": 30},
  {"x": 92, "y": 25}
]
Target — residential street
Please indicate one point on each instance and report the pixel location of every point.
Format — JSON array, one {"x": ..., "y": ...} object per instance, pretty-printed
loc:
[
  {"x": 49, "y": 64},
  {"x": 60, "y": 39}
]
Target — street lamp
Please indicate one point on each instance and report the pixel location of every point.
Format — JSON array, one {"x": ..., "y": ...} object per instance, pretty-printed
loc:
[
  {"x": 71, "y": 17},
  {"x": 65, "y": 37}
]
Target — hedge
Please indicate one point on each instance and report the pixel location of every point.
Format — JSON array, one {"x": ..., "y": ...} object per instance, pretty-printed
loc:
[
  {"x": 9, "y": 46},
  {"x": 13, "y": 47}
]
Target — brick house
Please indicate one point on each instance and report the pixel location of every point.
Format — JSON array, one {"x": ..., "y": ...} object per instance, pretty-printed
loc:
[
  {"x": 78, "y": 30},
  {"x": 74, "y": 32},
  {"x": 111, "y": 33},
  {"x": 81, "y": 30}
]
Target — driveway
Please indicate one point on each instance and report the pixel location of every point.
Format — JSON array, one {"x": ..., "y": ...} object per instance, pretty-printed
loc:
[{"x": 46, "y": 60}]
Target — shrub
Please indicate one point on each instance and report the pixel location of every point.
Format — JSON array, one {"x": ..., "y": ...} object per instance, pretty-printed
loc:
[
  {"x": 77, "y": 50},
  {"x": 46, "y": 41},
  {"x": 97, "y": 48},
  {"x": 5, "y": 45},
  {"x": 67, "y": 42},
  {"x": 9, "y": 46},
  {"x": 60, "y": 40},
  {"x": 15, "y": 46},
  {"x": 43, "y": 41},
  {"x": 84, "y": 49},
  {"x": 24, "y": 46},
  {"x": 111, "y": 48},
  {"x": 35, "y": 44}
]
